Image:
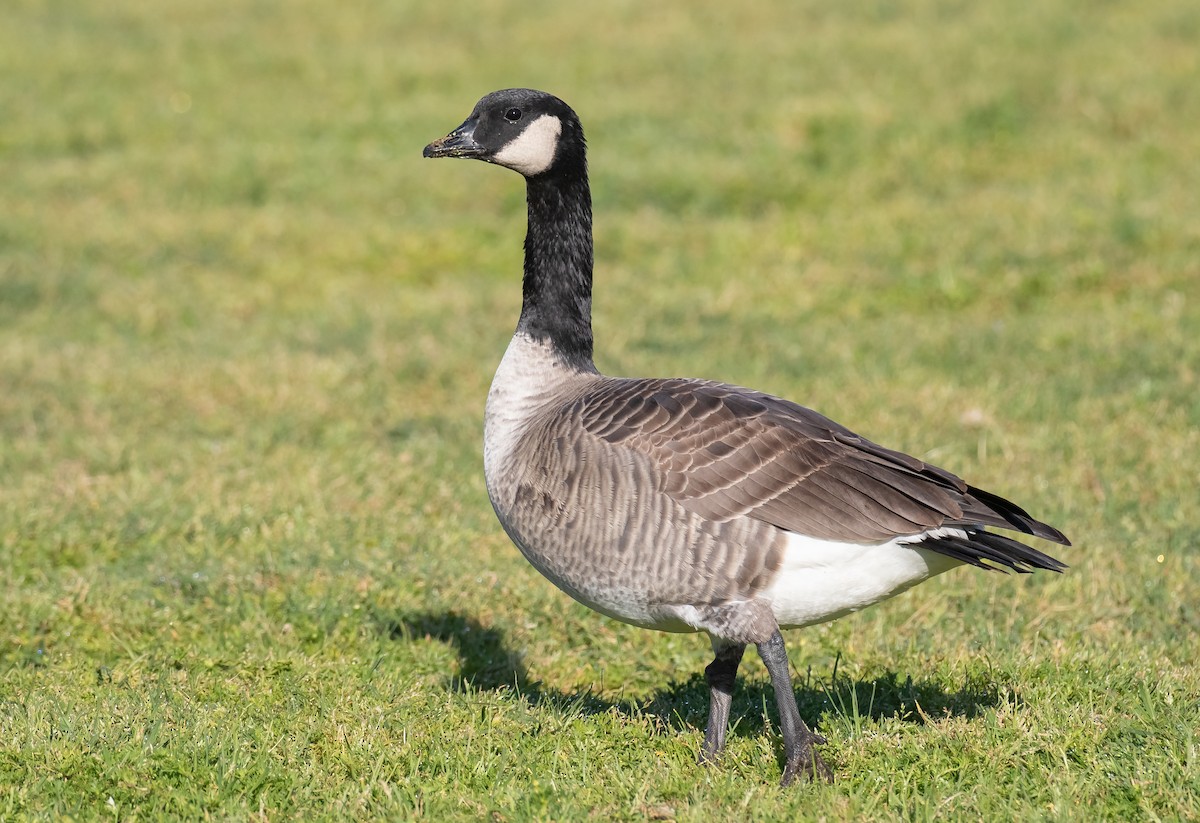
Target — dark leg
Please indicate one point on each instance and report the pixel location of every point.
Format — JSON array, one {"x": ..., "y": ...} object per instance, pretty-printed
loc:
[
  {"x": 798, "y": 741},
  {"x": 721, "y": 674}
]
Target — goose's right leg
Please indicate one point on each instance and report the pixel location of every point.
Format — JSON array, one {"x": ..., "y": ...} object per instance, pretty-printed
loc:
[{"x": 798, "y": 740}]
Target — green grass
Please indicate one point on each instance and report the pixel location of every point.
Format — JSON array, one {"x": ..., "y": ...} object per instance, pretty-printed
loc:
[{"x": 247, "y": 563}]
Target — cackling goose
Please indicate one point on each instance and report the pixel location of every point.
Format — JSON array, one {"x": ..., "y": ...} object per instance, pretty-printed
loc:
[{"x": 688, "y": 505}]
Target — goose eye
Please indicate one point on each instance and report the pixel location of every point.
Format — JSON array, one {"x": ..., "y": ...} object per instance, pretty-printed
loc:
[{"x": 512, "y": 115}]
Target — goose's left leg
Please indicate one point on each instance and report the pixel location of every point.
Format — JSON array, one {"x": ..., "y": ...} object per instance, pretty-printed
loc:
[{"x": 721, "y": 674}]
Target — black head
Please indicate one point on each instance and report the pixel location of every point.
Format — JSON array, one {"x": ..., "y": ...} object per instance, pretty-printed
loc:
[{"x": 529, "y": 131}]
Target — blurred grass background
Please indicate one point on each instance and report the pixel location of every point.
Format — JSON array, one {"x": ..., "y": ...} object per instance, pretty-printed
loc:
[{"x": 247, "y": 563}]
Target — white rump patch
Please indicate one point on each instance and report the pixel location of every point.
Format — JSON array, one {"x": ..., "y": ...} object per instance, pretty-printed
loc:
[
  {"x": 822, "y": 580},
  {"x": 532, "y": 151}
]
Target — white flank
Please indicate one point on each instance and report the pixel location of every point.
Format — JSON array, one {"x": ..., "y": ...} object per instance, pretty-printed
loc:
[
  {"x": 822, "y": 580},
  {"x": 532, "y": 151}
]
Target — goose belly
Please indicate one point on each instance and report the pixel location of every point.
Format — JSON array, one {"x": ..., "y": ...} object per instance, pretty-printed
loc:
[
  {"x": 599, "y": 586},
  {"x": 597, "y": 527},
  {"x": 820, "y": 580}
]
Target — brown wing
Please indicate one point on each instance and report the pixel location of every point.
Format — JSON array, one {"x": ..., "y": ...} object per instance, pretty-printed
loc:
[{"x": 726, "y": 452}]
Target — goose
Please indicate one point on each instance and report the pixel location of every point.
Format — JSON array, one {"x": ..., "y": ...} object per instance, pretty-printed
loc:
[{"x": 687, "y": 505}]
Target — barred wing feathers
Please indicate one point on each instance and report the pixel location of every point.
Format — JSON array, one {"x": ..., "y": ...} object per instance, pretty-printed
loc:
[{"x": 724, "y": 452}]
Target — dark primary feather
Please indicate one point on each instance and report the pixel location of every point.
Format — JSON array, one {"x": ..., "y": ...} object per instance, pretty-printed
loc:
[{"x": 726, "y": 452}]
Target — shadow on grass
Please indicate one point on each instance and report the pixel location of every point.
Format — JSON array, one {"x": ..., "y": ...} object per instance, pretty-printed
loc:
[{"x": 487, "y": 663}]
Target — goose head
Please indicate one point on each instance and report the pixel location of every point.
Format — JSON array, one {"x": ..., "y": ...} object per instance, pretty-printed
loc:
[{"x": 530, "y": 132}]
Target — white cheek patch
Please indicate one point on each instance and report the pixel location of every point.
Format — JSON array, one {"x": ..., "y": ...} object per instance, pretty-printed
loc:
[{"x": 532, "y": 151}]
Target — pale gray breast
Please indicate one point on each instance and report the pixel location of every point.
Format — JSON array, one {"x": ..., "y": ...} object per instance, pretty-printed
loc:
[{"x": 594, "y": 516}]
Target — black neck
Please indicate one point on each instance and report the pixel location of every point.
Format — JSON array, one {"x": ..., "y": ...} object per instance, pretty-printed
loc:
[{"x": 557, "y": 289}]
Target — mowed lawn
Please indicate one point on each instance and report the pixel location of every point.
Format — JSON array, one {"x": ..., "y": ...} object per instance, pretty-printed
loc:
[{"x": 248, "y": 569}]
